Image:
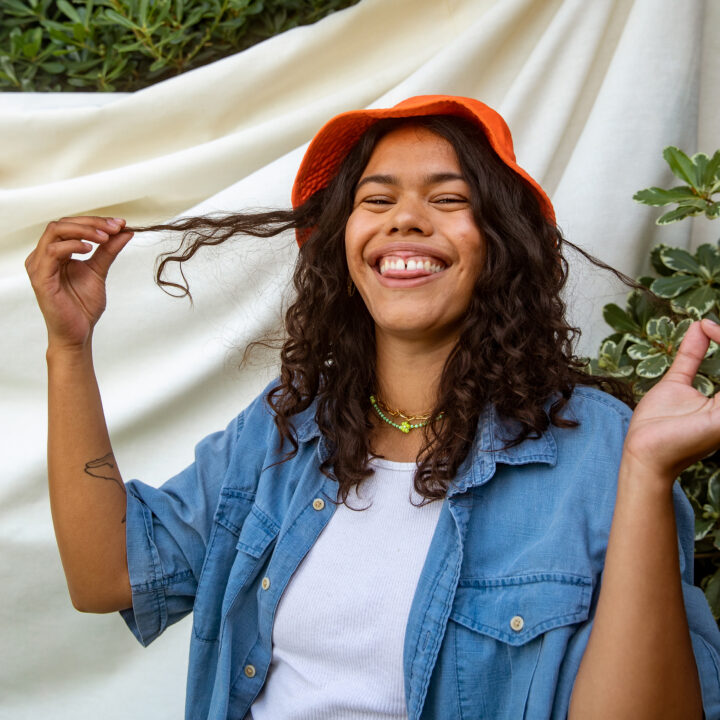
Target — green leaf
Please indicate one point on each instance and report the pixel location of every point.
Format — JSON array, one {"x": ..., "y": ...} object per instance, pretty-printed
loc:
[
  {"x": 640, "y": 307},
  {"x": 653, "y": 367},
  {"x": 8, "y": 69},
  {"x": 713, "y": 490},
  {"x": 15, "y": 7},
  {"x": 660, "y": 328},
  {"x": 119, "y": 19},
  {"x": 619, "y": 320},
  {"x": 54, "y": 68},
  {"x": 69, "y": 11},
  {"x": 679, "y": 332},
  {"x": 708, "y": 257},
  {"x": 642, "y": 351},
  {"x": 142, "y": 13},
  {"x": 697, "y": 302},
  {"x": 80, "y": 32},
  {"x": 670, "y": 287},
  {"x": 657, "y": 262},
  {"x": 702, "y": 527},
  {"x": 32, "y": 40},
  {"x": 700, "y": 161},
  {"x": 657, "y": 196},
  {"x": 703, "y": 385},
  {"x": 712, "y": 171},
  {"x": 712, "y": 594},
  {"x": 711, "y": 366},
  {"x": 680, "y": 213},
  {"x": 712, "y": 211},
  {"x": 679, "y": 260},
  {"x": 681, "y": 165}
]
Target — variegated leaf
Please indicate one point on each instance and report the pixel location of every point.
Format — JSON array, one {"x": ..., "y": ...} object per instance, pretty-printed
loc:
[
  {"x": 653, "y": 367},
  {"x": 703, "y": 385},
  {"x": 642, "y": 351},
  {"x": 660, "y": 328},
  {"x": 679, "y": 260},
  {"x": 670, "y": 287},
  {"x": 697, "y": 302}
]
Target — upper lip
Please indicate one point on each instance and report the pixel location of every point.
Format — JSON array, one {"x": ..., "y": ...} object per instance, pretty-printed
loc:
[{"x": 405, "y": 250}]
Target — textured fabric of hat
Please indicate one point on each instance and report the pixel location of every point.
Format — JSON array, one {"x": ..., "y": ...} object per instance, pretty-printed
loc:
[{"x": 337, "y": 137}]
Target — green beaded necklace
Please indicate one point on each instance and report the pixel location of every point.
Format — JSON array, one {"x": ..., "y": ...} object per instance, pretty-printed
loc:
[{"x": 404, "y": 426}]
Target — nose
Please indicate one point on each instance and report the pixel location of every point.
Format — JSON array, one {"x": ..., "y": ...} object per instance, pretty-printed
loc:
[{"x": 409, "y": 217}]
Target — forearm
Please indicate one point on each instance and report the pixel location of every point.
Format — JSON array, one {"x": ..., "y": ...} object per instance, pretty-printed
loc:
[
  {"x": 87, "y": 494},
  {"x": 639, "y": 661}
]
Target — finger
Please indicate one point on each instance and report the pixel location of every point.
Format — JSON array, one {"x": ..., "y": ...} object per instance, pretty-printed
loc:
[
  {"x": 55, "y": 255},
  {"x": 689, "y": 355},
  {"x": 107, "y": 252},
  {"x": 711, "y": 329},
  {"x": 89, "y": 228},
  {"x": 63, "y": 250}
]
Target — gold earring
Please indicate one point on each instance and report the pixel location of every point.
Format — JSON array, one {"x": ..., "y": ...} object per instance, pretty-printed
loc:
[{"x": 350, "y": 287}]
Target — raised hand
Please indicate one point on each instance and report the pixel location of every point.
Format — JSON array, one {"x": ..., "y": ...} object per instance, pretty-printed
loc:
[
  {"x": 71, "y": 293},
  {"x": 674, "y": 425}
]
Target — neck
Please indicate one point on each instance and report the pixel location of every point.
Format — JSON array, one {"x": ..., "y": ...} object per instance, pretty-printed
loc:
[{"x": 408, "y": 371}]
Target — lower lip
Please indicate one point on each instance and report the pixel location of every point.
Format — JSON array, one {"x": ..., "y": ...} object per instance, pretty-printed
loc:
[{"x": 392, "y": 282}]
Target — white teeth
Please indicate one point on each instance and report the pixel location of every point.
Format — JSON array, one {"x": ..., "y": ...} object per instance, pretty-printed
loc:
[{"x": 395, "y": 263}]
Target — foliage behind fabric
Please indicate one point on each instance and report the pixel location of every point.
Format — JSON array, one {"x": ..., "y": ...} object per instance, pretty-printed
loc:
[{"x": 126, "y": 45}]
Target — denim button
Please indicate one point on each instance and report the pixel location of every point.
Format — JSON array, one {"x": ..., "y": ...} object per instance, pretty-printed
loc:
[
  {"x": 517, "y": 623},
  {"x": 318, "y": 503},
  {"x": 250, "y": 671},
  {"x": 265, "y": 583}
]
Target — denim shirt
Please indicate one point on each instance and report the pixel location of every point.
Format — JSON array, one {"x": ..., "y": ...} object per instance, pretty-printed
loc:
[{"x": 505, "y": 602}]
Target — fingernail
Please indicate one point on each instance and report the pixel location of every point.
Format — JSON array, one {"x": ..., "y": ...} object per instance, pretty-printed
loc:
[
  {"x": 102, "y": 234},
  {"x": 119, "y": 221}
]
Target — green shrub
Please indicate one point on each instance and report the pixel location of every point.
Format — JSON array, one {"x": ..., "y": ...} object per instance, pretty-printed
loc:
[
  {"x": 126, "y": 45},
  {"x": 649, "y": 330}
]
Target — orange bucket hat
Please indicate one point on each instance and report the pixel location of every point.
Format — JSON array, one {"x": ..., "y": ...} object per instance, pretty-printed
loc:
[{"x": 336, "y": 138}]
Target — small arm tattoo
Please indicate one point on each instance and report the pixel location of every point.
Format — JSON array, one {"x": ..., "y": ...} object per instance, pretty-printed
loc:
[{"x": 103, "y": 468}]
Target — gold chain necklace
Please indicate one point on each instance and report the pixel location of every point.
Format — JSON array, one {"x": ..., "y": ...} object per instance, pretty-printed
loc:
[{"x": 406, "y": 425}]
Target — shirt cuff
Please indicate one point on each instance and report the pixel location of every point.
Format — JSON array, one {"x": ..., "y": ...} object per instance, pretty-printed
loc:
[{"x": 148, "y": 616}]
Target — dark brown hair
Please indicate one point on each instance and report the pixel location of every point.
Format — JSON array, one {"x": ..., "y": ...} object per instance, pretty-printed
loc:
[{"x": 515, "y": 348}]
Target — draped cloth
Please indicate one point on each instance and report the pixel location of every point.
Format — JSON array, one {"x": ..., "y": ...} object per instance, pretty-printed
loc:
[{"x": 592, "y": 91}]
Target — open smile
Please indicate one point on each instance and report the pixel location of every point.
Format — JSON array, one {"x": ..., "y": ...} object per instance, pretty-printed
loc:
[{"x": 406, "y": 265}]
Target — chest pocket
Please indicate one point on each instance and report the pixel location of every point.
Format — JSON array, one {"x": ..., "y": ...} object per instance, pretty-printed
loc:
[
  {"x": 240, "y": 546},
  {"x": 500, "y": 628}
]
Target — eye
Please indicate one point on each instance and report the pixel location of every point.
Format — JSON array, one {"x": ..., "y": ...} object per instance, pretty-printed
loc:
[
  {"x": 450, "y": 199},
  {"x": 377, "y": 201}
]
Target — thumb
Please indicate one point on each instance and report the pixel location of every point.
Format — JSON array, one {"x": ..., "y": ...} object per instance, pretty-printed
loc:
[
  {"x": 105, "y": 255},
  {"x": 689, "y": 356}
]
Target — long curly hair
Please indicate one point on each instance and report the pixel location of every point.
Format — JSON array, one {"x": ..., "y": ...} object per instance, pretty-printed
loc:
[{"x": 515, "y": 348}]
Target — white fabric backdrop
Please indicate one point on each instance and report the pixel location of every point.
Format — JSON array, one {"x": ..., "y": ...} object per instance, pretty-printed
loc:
[{"x": 592, "y": 92}]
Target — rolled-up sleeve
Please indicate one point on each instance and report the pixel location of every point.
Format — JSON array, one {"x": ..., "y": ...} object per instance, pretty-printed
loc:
[{"x": 167, "y": 533}]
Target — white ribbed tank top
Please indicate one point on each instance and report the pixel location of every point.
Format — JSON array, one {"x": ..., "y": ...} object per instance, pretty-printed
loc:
[{"x": 340, "y": 624}]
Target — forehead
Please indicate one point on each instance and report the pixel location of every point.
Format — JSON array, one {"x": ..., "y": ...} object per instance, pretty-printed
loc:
[{"x": 412, "y": 148}]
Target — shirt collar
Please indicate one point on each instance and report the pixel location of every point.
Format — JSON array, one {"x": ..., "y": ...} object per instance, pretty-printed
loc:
[{"x": 488, "y": 448}]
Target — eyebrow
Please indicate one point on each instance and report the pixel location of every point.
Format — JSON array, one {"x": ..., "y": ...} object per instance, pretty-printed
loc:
[{"x": 432, "y": 179}]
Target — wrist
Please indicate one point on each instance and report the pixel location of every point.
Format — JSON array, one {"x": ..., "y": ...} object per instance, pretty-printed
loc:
[
  {"x": 58, "y": 352},
  {"x": 637, "y": 476}
]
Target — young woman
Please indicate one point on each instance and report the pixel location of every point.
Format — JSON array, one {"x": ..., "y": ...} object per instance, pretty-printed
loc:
[{"x": 432, "y": 513}]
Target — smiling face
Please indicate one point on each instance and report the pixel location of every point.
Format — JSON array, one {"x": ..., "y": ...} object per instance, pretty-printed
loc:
[{"x": 412, "y": 245}]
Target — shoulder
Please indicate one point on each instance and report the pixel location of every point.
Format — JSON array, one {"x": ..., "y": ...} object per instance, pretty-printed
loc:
[{"x": 594, "y": 408}]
